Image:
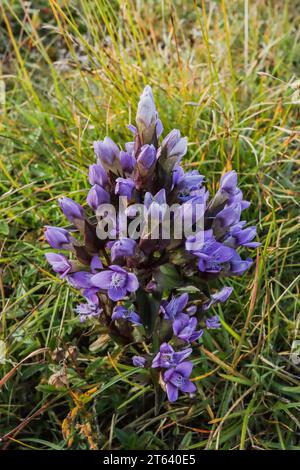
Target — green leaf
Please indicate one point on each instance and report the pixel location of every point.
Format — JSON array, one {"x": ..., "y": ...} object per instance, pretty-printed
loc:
[
  {"x": 168, "y": 278},
  {"x": 148, "y": 310},
  {"x": 4, "y": 228},
  {"x": 188, "y": 289}
]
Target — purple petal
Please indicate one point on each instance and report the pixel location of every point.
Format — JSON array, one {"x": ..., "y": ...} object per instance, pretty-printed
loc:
[
  {"x": 97, "y": 196},
  {"x": 166, "y": 348},
  {"x": 58, "y": 237},
  {"x": 102, "y": 279},
  {"x": 132, "y": 128},
  {"x": 128, "y": 162},
  {"x": 116, "y": 293},
  {"x": 185, "y": 368},
  {"x": 91, "y": 294},
  {"x": 156, "y": 361},
  {"x": 139, "y": 361},
  {"x": 168, "y": 374},
  {"x": 252, "y": 244},
  {"x": 118, "y": 269},
  {"x": 188, "y": 386},
  {"x": 132, "y": 282},
  {"x": 181, "y": 355},
  {"x": 181, "y": 302},
  {"x": 124, "y": 187},
  {"x": 177, "y": 327},
  {"x": 119, "y": 312},
  {"x": 106, "y": 151},
  {"x": 172, "y": 392},
  {"x": 228, "y": 181},
  {"x": 60, "y": 264},
  {"x": 196, "y": 335},
  {"x": 124, "y": 247},
  {"x": 80, "y": 280},
  {"x": 147, "y": 157},
  {"x": 96, "y": 263},
  {"x": 159, "y": 128},
  {"x": 134, "y": 318},
  {"x": 71, "y": 209},
  {"x": 97, "y": 175}
]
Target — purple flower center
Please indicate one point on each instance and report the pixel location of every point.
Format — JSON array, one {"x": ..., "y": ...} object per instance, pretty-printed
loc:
[
  {"x": 118, "y": 280},
  {"x": 178, "y": 380},
  {"x": 167, "y": 357}
]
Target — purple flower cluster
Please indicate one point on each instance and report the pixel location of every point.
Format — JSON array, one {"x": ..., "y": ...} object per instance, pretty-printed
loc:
[{"x": 133, "y": 283}]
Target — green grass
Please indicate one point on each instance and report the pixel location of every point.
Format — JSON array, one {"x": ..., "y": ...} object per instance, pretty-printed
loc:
[{"x": 221, "y": 72}]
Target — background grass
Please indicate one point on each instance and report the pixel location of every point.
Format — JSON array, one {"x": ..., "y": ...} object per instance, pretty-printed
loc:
[{"x": 221, "y": 72}]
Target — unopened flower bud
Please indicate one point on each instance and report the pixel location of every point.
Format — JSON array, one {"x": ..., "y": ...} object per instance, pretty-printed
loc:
[
  {"x": 58, "y": 238},
  {"x": 97, "y": 196},
  {"x": 146, "y": 116}
]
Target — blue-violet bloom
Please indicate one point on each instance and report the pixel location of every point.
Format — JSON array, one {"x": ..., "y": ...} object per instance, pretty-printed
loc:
[
  {"x": 167, "y": 357},
  {"x": 117, "y": 281},
  {"x": 126, "y": 314},
  {"x": 178, "y": 378},
  {"x": 184, "y": 328}
]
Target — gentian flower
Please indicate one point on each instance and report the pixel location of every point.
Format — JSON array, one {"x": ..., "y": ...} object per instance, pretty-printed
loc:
[
  {"x": 117, "y": 281},
  {"x": 88, "y": 310},
  {"x": 188, "y": 185},
  {"x": 91, "y": 294},
  {"x": 107, "y": 152},
  {"x": 178, "y": 378},
  {"x": 239, "y": 237},
  {"x": 124, "y": 247},
  {"x": 175, "y": 146},
  {"x": 174, "y": 307},
  {"x": 60, "y": 264},
  {"x": 124, "y": 187},
  {"x": 238, "y": 266},
  {"x": 98, "y": 175},
  {"x": 212, "y": 257},
  {"x": 213, "y": 323},
  {"x": 184, "y": 328},
  {"x": 178, "y": 175},
  {"x": 201, "y": 242},
  {"x": 217, "y": 297},
  {"x": 228, "y": 216},
  {"x": 59, "y": 238},
  {"x": 81, "y": 280},
  {"x": 193, "y": 210},
  {"x": 129, "y": 146},
  {"x": 146, "y": 159},
  {"x": 127, "y": 161},
  {"x": 228, "y": 183},
  {"x": 126, "y": 314},
  {"x": 228, "y": 192},
  {"x": 167, "y": 357},
  {"x": 146, "y": 116},
  {"x": 71, "y": 209},
  {"x": 139, "y": 361},
  {"x": 97, "y": 196},
  {"x": 191, "y": 310},
  {"x": 159, "y": 198}
]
